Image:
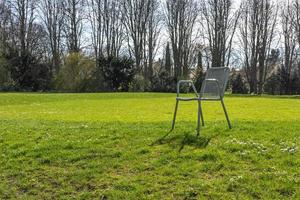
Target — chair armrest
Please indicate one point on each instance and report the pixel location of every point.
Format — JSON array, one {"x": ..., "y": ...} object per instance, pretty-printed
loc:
[
  {"x": 186, "y": 82},
  {"x": 212, "y": 80}
]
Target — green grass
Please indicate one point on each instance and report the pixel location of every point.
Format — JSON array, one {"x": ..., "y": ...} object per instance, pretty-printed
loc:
[{"x": 110, "y": 146}]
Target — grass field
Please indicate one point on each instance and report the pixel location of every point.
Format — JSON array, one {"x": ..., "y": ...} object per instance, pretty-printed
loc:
[{"x": 106, "y": 146}]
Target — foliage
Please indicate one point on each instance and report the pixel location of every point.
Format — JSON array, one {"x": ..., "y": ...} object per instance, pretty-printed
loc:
[
  {"x": 28, "y": 73},
  {"x": 138, "y": 84},
  {"x": 97, "y": 83},
  {"x": 6, "y": 82},
  {"x": 288, "y": 81},
  {"x": 118, "y": 73},
  {"x": 238, "y": 85},
  {"x": 168, "y": 63},
  {"x": 76, "y": 73},
  {"x": 91, "y": 146},
  {"x": 199, "y": 78},
  {"x": 163, "y": 82},
  {"x": 282, "y": 82},
  {"x": 295, "y": 83},
  {"x": 272, "y": 85},
  {"x": 3, "y": 71}
]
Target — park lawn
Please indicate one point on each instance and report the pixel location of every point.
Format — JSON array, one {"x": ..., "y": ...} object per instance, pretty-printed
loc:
[{"x": 110, "y": 146}]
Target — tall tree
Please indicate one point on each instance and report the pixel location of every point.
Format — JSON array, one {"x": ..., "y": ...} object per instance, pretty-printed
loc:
[
  {"x": 23, "y": 24},
  {"x": 199, "y": 59},
  {"x": 107, "y": 27},
  {"x": 220, "y": 22},
  {"x": 142, "y": 26},
  {"x": 152, "y": 35},
  {"x": 288, "y": 15},
  {"x": 113, "y": 27},
  {"x": 257, "y": 27},
  {"x": 73, "y": 23},
  {"x": 51, "y": 13},
  {"x": 296, "y": 23},
  {"x": 296, "y": 19},
  {"x": 3, "y": 23},
  {"x": 25, "y": 48},
  {"x": 168, "y": 64},
  {"x": 181, "y": 18},
  {"x": 95, "y": 17},
  {"x": 136, "y": 14}
]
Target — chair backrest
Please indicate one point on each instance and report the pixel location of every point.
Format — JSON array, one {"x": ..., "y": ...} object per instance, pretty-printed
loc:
[{"x": 210, "y": 88}]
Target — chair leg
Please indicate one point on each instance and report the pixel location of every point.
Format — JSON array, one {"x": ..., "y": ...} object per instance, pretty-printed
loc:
[
  {"x": 174, "y": 117},
  {"x": 198, "y": 119},
  {"x": 202, "y": 118},
  {"x": 226, "y": 114}
]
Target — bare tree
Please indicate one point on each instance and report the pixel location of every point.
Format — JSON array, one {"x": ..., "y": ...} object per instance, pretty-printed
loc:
[
  {"x": 220, "y": 22},
  {"x": 289, "y": 32},
  {"x": 142, "y": 26},
  {"x": 95, "y": 17},
  {"x": 105, "y": 17},
  {"x": 296, "y": 19},
  {"x": 181, "y": 18},
  {"x": 257, "y": 34},
  {"x": 23, "y": 23},
  {"x": 5, "y": 18},
  {"x": 73, "y": 23},
  {"x": 25, "y": 47},
  {"x": 107, "y": 29},
  {"x": 136, "y": 14},
  {"x": 52, "y": 18},
  {"x": 151, "y": 38},
  {"x": 296, "y": 23},
  {"x": 113, "y": 27}
]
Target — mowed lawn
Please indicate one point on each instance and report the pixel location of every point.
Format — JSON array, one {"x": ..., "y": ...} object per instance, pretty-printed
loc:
[{"x": 110, "y": 146}]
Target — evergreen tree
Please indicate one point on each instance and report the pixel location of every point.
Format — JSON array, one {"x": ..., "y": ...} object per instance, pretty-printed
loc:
[
  {"x": 199, "y": 75},
  {"x": 168, "y": 59},
  {"x": 238, "y": 85}
]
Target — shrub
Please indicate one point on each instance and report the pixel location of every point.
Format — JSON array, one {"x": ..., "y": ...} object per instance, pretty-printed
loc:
[
  {"x": 139, "y": 84},
  {"x": 272, "y": 85},
  {"x": 27, "y": 73},
  {"x": 118, "y": 73},
  {"x": 76, "y": 73},
  {"x": 238, "y": 85},
  {"x": 163, "y": 82},
  {"x": 4, "y": 74},
  {"x": 296, "y": 83},
  {"x": 199, "y": 78}
]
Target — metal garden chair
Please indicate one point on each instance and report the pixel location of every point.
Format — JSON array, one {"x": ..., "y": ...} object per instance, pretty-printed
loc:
[{"x": 212, "y": 89}]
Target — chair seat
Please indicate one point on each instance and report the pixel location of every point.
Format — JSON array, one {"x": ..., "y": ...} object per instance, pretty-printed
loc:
[
  {"x": 198, "y": 98},
  {"x": 210, "y": 98},
  {"x": 187, "y": 98}
]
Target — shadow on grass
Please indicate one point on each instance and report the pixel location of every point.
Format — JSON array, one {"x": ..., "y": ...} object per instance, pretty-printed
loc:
[{"x": 185, "y": 140}]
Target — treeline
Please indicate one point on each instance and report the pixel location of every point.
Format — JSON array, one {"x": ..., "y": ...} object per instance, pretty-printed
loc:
[{"x": 148, "y": 45}]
